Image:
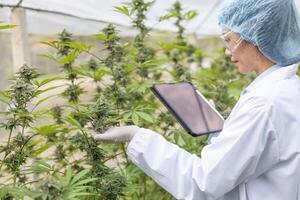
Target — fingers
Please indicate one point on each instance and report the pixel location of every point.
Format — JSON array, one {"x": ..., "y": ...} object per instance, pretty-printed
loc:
[
  {"x": 104, "y": 137},
  {"x": 109, "y": 135},
  {"x": 117, "y": 134},
  {"x": 114, "y": 134}
]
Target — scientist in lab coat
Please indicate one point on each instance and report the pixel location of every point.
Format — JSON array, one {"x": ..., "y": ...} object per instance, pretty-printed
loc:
[{"x": 257, "y": 154}]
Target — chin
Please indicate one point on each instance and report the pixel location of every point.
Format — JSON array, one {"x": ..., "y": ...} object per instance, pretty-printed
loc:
[{"x": 243, "y": 70}]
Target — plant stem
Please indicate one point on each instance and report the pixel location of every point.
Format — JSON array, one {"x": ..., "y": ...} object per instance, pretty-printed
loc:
[
  {"x": 112, "y": 157},
  {"x": 8, "y": 143},
  {"x": 23, "y": 129},
  {"x": 124, "y": 151},
  {"x": 145, "y": 185},
  {"x": 86, "y": 138},
  {"x": 15, "y": 180},
  {"x": 95, "y": 56},
  {"x": 27, "y": 142}
]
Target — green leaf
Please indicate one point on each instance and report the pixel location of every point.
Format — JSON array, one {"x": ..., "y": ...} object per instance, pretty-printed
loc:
[
  {"x": 104, "y": 37},
  {"x": 85, "y": 181},
  {"x": 145, "y": 116},
  {"x": 168, "y": 16},
  {"x": 18, "y": 192},
  {"x": 44, "y": 99},
  {"x": 81, "y": 194},
  {"x": 99, "y": 73},
  {"x": 131, "y": 7},
  {"x": 149, "y": 63},
  {"x": 80, "y": 175},
  {"x": 129, "y": 68},
  {"x": 36, "y": 142},
  {"x": 126, "y": 116},
  {"x": 73, "y": 122},
  {"x": 69, "y": 175},
  {"x": 53, "y": 44},
  {"x": 5, "y": 93},
  {"x": 48, "y": 129},
  {"x": 2, "y": 27},
  {"x": 100, "y": 36},
  {"x": 40, "y": 167},
  {"x": 69, "y": 58},
  {"x": 176, "y": 137},
  {"x": 38, "y": 92},
  {"x": 5, "y": 97},
  {"x": 148, "y": 4},
  {"x": 122, "y": 9},
  {"x": 2, "y": 149},
  {"x": 40, "y": 113},
  {"x": 75, "y": 184},
  {"x": 48, "y": 55},
  {"x": 47, "y": 80},
  {"x": 167, "y": 46},
  {"x": 190, "y": 14},
  {"x": 135, "y": 118},
  {"x": 82, "y": 47},
  {"x": 41, "y": 149}
]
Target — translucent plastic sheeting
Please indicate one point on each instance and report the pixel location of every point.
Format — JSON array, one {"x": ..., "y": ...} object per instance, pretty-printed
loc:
[{"x": 89, "y": 16}]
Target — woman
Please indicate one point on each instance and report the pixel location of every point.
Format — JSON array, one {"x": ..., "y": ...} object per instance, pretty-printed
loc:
[{"x": 257, "y": 155}]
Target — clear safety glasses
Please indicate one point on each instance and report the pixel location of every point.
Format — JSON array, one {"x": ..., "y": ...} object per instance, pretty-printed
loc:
[{"x": 231, "y": 46}]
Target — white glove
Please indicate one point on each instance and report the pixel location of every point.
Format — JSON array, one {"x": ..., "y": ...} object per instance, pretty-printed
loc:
[{"x": 118, "y": 134}]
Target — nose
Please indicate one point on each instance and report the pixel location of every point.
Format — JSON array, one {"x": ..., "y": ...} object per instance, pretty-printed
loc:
[{"x": 228, "y": 53}]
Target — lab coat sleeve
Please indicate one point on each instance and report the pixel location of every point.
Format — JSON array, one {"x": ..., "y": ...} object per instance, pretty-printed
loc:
[{"x": 246, "y": 148}]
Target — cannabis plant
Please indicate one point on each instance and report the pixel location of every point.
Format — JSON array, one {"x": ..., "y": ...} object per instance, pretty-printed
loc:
[{"x": 180, "y": 53}]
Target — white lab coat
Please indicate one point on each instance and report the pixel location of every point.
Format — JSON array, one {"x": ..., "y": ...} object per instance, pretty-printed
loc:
[{"x": 255, "y": 157}]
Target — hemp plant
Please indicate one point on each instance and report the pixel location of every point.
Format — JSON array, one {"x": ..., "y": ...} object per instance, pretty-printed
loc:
[
  {"x": 67, "y": 51},
  {"x": 69, "y": 54},
  {"x": 180, "y": 53},
  {"x": 117, "y": 103},
  {"x": 142, "y": 61},
  {"x": 18, "y": 117},
  {"x": 108, "y": 184},
  {"x": 122, "y": 91},
  {"x": 145, "y": 71},
  {"x": 115, "y": 63},
  {"x": 18, "y": 121},
  {"x": 144, "y": 53},
  {"x": 137, "y": 12}
]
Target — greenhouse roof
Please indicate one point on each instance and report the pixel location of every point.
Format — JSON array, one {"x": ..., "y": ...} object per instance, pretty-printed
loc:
[{"x": 89, "y": 16}]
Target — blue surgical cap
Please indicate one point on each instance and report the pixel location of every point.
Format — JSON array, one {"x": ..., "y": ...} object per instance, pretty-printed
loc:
[{"x": 272, "y": 25}]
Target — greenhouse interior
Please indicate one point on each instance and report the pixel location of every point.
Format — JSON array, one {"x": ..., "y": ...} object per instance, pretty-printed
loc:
[{"x": 78, "y": 97}]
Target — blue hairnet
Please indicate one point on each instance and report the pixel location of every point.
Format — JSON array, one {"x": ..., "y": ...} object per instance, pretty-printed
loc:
[{"x": 272, "y": 25}]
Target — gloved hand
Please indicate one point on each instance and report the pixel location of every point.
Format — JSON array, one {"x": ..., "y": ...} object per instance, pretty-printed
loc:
[{"x": 118, "y": 134}]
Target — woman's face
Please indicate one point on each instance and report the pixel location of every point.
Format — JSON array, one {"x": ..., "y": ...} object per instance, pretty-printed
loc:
[{"x": 243, "y": 54}]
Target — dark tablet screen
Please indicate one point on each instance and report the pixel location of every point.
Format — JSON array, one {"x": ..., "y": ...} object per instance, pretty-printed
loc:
[{"x": 189, "y": 107}]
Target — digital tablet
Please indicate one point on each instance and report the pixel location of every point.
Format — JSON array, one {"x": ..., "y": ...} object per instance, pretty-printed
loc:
[{"x": 191, "y": 109}]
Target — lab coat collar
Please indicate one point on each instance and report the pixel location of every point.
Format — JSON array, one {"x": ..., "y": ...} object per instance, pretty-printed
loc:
[{"x": 272, "y": 74}]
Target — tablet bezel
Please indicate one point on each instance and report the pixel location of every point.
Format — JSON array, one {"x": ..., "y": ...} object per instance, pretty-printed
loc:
[{"x": 178, "y": 118}]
